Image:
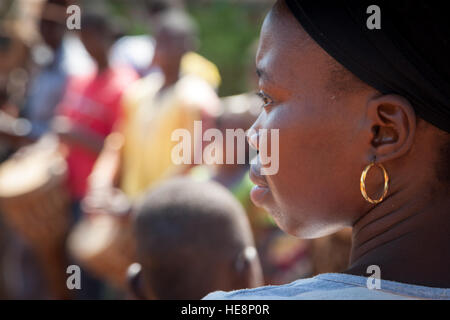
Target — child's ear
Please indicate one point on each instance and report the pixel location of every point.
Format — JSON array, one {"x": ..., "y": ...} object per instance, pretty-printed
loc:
[
  {"x": 135, "y": 283},
  {"x": 248, "y": 268}
]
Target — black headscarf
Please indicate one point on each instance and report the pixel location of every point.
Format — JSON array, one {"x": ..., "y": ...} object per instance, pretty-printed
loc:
[{"x": 409, "y": 55}]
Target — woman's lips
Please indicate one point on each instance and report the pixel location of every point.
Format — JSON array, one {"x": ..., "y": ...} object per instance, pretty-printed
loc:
[
  {"x": 256, "y": 176},
  {"x": 259, "y": 192}
]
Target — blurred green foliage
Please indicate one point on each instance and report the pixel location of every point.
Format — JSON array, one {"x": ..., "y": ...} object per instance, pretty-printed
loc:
[{"x": 228, "y": 32}]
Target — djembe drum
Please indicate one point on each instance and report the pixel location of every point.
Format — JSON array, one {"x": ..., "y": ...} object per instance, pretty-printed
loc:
[
  {"x": 35, "y": 204},
  {"x": 103, "y": 241}
]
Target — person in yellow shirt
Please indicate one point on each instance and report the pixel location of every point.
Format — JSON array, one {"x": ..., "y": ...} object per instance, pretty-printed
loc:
[{"x": 179, "y": 90}]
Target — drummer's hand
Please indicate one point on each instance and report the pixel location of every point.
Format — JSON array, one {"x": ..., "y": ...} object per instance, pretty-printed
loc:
[
  {"x": 110, "y": 201},
  {"x": 62, "y": 126},
  {"x": 96, "y": 201},
  {"x": 73, "y": 134}
]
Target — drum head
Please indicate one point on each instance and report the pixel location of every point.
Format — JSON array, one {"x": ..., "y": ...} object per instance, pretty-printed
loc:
[{"x": 31, "y": 168}]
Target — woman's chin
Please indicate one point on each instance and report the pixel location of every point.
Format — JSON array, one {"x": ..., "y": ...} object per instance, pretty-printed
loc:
[
  {"x": 288, "y": 221},
  {"x": 291, "y": 223}
]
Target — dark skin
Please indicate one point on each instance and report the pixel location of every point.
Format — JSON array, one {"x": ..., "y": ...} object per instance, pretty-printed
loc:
[
  {"x": 52, "y": 33},
  {"x": 98, "y": 46},
  {"x": 53, "y": 23},
  {"x": 140, "y": 289},
  {"x": 249, "y": 275},
  {"x": 169, "y": 50},
  {"x": 327, "y": 138}
]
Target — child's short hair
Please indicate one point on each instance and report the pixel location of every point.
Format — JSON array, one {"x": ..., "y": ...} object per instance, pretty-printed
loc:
[
  {"x": 99, "y": 23},
  {"x": 194, "y": 238}
]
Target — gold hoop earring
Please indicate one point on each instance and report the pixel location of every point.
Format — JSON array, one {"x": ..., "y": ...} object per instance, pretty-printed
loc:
[{"x": 363, "y": 183}]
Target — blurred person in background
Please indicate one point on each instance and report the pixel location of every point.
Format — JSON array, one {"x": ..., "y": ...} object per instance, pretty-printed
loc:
[
  {"x": 15, "y": 45},
  {"x": 138, "y": 155},
  {"x": 91, "y": 105},
  {"x": 138, "y": 51},
  {"x": 192, "y": 237},
  {"x": 48, "y": 85},
  {"x": 60, "y": 57},
  {"x": 24, "y": 276},
  {"x": 88, "y": 113}
]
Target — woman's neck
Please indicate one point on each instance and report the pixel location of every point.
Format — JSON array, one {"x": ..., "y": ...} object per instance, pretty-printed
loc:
[{"x": 407, "y": 236}]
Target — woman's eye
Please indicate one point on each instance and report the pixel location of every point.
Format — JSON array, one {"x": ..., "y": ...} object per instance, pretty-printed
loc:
[{"x": 267, "y": 101}]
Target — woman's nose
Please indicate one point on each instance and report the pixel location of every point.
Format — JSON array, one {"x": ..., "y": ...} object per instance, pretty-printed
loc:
[
  {"x": 252, "y": 137},
  {"x": 252, "y": 133}
]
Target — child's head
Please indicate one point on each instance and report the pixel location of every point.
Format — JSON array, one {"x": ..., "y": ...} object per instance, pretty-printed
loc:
[
  {"x": 193, "y": 238},
  {"x": 98, "y": 35},
  {"x": 175, "y": 35},
  {"x": 52, "y": 22}
]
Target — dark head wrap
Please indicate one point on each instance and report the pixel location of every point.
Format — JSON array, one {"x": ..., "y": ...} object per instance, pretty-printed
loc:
[{"x": 409, "y": 55}]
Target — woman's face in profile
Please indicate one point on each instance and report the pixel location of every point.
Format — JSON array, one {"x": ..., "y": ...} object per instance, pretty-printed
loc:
[{"x": 322, "y": 144}]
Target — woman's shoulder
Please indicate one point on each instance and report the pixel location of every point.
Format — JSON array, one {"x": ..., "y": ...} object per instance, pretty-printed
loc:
[{"x": 334, "y": 286}]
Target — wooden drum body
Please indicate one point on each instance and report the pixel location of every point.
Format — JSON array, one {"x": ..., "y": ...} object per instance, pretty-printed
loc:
[
  {"x": 104, "y": 244},
  {"x": 33, "y": 195},
  {"x": 35, "y": 204}
]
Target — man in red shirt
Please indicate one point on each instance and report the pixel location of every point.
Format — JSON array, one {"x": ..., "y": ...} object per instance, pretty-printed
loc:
[
  {"x": 87, "y": 114},
  {"x": 91, "y": 105}
]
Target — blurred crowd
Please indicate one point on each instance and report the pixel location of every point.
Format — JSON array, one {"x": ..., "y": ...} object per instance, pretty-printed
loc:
[{"x": 86, "y": 172}]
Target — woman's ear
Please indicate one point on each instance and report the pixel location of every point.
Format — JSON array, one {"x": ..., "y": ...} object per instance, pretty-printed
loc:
[
  {"x": 134, "y": 281},
  {"x": 393, "y": 124}
]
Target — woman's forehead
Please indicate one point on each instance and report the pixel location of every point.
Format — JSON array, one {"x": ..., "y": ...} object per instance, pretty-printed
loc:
[{"x": 286, "y": 50}]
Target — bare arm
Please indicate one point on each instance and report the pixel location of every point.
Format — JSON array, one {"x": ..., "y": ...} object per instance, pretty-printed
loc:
[
  {"x": 103, "y": 196},
  {"x": 106, "y": 172},
  {"x": 76, "y": 135}
]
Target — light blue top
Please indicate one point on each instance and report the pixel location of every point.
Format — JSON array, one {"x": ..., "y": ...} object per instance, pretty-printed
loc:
[
  {"x": 334, "y": 286},
  {"x": 48, "y": 86}
]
